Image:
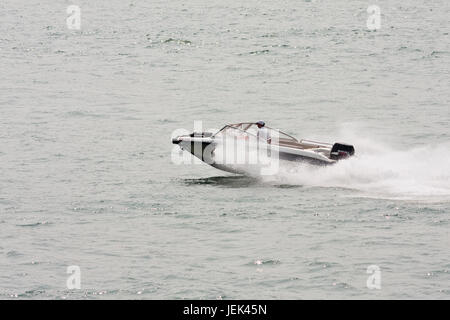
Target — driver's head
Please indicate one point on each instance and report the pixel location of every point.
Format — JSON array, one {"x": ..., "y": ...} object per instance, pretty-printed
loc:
[{"x": 260, "y": 124}]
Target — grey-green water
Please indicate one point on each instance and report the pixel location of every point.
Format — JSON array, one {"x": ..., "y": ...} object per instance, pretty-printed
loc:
[{"x": 86, "y": 174}]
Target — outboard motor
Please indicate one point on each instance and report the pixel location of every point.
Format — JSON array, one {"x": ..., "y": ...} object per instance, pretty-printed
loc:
[
  {"x": 201, "y": 134},
  {"x": 341, "y": 151}
]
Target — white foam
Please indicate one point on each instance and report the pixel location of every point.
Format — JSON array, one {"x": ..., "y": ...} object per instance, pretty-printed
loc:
[{"x": 378, "y": 169}]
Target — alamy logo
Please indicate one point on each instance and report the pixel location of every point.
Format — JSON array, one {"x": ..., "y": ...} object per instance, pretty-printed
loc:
[
  {"x": 74, "y": 280},
  {"x": 73, "y": 21},
  {"x": 374, "y": 19},
  {"x": 374, "y": 280}
]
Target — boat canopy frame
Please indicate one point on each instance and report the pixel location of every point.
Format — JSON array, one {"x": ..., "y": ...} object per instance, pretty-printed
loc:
[
  {"x": 285, "y": 140},
  {"x": 244, "y": 126}
]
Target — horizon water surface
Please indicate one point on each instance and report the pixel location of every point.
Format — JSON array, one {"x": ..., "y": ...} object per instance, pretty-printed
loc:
[{"x": 87, "y": 179}]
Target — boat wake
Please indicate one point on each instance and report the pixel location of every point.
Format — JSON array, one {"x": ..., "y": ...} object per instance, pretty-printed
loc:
[{"x": 418, "y": 173}]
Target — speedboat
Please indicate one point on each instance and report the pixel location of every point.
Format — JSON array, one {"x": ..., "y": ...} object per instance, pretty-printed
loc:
[{"x": 232, "y": 147}]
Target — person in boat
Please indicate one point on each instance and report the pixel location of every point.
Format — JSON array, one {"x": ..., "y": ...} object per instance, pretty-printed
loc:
[{"x": 263, "y": 133}]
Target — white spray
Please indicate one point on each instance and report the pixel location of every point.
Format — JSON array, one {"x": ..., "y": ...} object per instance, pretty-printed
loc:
[{"x": 379, "y": 170}]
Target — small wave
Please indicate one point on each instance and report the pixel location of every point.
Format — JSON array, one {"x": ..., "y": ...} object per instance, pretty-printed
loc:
[
  {"x": 235, "y": 181},
  {"x": 32, "y": 224},
  {"x": 177, "y": 41},
  {"x": 256, "y": 52},
  {"x": 266, "y": 262},
  {"x": 13, "y": 253},
  {"x": 79, "y": 113}
]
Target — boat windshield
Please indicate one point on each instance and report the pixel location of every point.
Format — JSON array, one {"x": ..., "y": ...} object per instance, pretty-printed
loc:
[{"x": 252, "y": 129}]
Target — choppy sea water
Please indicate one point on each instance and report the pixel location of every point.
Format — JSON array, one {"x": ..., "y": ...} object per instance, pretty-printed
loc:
[{"x": 86, "y": 174}]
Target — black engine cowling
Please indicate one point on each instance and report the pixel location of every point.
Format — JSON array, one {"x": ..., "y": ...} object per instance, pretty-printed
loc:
[
  {"x": 341, "y": 151},
  {"x": 201, "y": 134}
]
